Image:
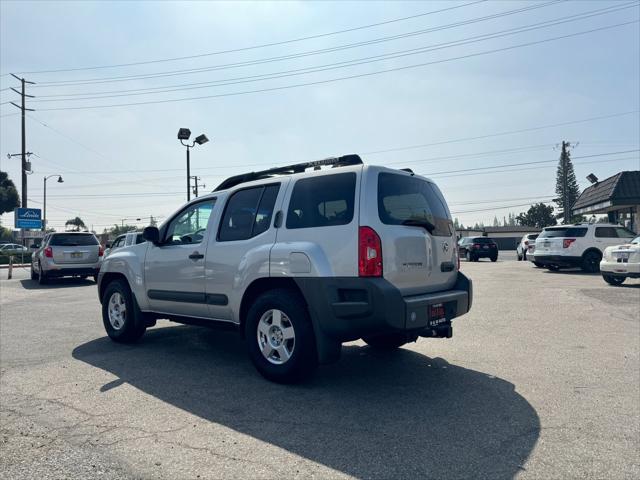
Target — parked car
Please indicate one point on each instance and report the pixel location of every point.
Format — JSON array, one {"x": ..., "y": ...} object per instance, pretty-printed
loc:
[
  {"x": 76, "y": 254},
  {"x": 621, "y": 262},
  {"x": 474, "y": 248},
  {"x": 13, "y": 249},
  {"x": 299, "y": 259},
  {"x": 523, "y": 246},
  {"x": 579, "y": 245},
  {"x": 125, "y": 240}
]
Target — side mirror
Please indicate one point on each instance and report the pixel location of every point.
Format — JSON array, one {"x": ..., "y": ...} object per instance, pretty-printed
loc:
[
  {"x": 151, "y": 234},
  {"x": 35, "y": 246},
  {"x": 108, "y": 245}
]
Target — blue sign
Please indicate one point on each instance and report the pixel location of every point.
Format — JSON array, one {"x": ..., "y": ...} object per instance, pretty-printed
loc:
[{"x": 28, "y": 218}]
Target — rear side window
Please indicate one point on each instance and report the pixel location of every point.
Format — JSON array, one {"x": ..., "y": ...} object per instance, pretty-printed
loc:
[
  {"x": 248, "y": 213},
  {"x": 402, "y": 198},
  {"x": 324, "y": 201},
  {"x": 532, "y": 237},
  {"x": 73, "y": 240},
  {"x": 563, "y": 232}
]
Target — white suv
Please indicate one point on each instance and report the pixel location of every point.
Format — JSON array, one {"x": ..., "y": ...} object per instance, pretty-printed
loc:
[
  {"x": 580, "y": 245},
  {"x": 298, "y": 261}
]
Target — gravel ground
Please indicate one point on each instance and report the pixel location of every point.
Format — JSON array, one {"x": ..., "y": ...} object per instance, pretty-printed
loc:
[{"x": 541, "y": 380}]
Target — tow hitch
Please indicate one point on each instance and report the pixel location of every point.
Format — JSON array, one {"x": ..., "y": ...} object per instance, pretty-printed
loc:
[{"x": 440, "y": 331}]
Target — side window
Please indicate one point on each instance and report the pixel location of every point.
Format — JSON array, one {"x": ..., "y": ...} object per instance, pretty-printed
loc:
[
  {"x": 118, "y": 243},
  {"x": 248, "y": 213},
  {"x": 190, "y": 226},
  {"x": 322, "y": 201},
  {"x": 606, "y": 232}
]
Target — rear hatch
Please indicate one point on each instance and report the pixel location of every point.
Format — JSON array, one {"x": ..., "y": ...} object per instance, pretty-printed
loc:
[
  {"x": 558, "y": 240},
  {"x": 418, "y": 240},
  {"x": 74, "y": 248}
]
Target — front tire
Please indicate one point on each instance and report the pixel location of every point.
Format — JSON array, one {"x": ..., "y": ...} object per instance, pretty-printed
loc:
[
  {"x": 390, "y": 341},
  {"x": 614, "y": 280},
  {"x": 280, "y": 339},
  {"x": 121, "y": 315},
  {"x": 591, "y": 262}
]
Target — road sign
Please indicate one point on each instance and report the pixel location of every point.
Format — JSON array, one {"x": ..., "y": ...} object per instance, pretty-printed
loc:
[{"x": 28, "y": 218}]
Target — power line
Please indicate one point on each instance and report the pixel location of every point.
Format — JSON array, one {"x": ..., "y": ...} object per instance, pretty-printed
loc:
[
  {"x": 235, "y": 50},
  {"x": 315, "y": 69},
  {"x": 361, "y": 75},
  {"x": 172, "y": 73}
]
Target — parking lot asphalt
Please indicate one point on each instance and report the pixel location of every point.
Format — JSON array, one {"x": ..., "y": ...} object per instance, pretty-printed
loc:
[{"x": 540, "y": 380}]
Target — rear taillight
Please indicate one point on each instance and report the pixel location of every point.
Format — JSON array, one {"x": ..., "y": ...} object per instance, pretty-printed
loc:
[
  {"x": 475, "y": 245},
  {"x": 526, "y": 242},
  {"x": 48, "y": 252},
  {"x": 566, "y": 243},
  {"x": 369, "y": 253},
  {"x": 100, "y": 251}
]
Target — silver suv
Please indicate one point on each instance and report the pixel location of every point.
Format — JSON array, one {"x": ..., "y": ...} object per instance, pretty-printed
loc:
[
  {"x": 67, "y": 254},
  {"x": 299, "y": 262}
]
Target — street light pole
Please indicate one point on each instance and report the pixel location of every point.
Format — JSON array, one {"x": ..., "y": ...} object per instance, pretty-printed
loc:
[
  {"x": 44, "y": 202},
  {"x": 184, "y": 134}
]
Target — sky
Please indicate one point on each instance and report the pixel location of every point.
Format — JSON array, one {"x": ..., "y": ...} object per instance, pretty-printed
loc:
[{"x": 454, "y": 90}]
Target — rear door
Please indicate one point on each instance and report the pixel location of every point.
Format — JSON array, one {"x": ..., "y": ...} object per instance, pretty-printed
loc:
[
  {"x": 552, "y": 240},
  {"x": 74, "y": 248},
  {"x": 416, "y": 259}
]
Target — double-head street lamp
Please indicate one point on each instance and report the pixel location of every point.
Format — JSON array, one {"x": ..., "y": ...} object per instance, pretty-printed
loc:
[
  {"x": 183, "y": 135},
  {"x": 44, "y": 203}
]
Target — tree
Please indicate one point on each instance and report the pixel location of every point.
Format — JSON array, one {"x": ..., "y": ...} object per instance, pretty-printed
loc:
[
  {"x": 566, "y": 184},
  {"x": 9, "y": 198},
  {"x": 457, "y": 225},
  {"x": 496, "y": 222},
  {"x": 119, "y": 230},
  {"x": 538, "y": 215},
  {"x": 76, "y": 224}
]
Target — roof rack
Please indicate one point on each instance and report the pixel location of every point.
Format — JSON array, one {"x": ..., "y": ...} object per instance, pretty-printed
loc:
[{"x": 343, "y": 161}]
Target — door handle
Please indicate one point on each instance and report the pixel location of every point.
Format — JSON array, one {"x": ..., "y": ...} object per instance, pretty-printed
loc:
[{"x": 196, "y": 256}]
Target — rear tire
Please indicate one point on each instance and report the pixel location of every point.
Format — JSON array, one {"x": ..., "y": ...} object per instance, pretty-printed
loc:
[
  {"x": 591, "y": 262},
  {"x": 468, "y": 256},
  {"x": 34, "y": 275},
  {"x": 538, "y": 264},
  {"x": 614, "y": 280},
  {"x": 390, "y": 341},
  {"x": 121, "y": 315},
  {"x": 519, "y": 257},
  {"x": 494, "y": 259},
  {"x": 42, "y": 278},
  {"x": 280, "y": 339}
]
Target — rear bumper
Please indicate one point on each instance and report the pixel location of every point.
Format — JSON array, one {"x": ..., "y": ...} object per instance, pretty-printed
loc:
[
  {"x": 558, "y": 260},
  {"x": 631, "y": 270},
  {"x": 61, "y": 270},
  {"x": 348, "y": 308},
  {"x": 483, "y": 253}
]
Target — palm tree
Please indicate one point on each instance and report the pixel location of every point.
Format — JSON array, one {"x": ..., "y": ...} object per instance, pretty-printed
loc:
[{"x": 76, "y": 223}]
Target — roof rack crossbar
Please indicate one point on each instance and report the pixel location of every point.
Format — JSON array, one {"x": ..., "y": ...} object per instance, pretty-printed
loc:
[{"x": 343, "y": 161}]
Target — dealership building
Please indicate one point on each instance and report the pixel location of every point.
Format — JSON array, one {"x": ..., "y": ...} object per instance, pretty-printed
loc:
[{"x": 618, "y": 197}]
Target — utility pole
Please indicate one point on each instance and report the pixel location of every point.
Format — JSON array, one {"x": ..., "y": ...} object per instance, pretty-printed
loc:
[
  {"x": 563, "y": 160},
  {"x": 196, "y": 179},
  {"x": 23, "y": 109}
]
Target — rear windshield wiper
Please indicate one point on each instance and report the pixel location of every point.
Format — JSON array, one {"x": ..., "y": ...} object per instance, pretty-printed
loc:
[{"x": 424, "y": 223}]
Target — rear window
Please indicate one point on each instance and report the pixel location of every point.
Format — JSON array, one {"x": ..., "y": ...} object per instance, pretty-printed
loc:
[
  {"x": 532, "y": 237},
  {"x": 402, "y": 198},
  {"x": 483, "y": 240},
  {"x": 563, "y": 232},
  {"x": 73, "y": 240},
  {"x": 324, "y": 201}
]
